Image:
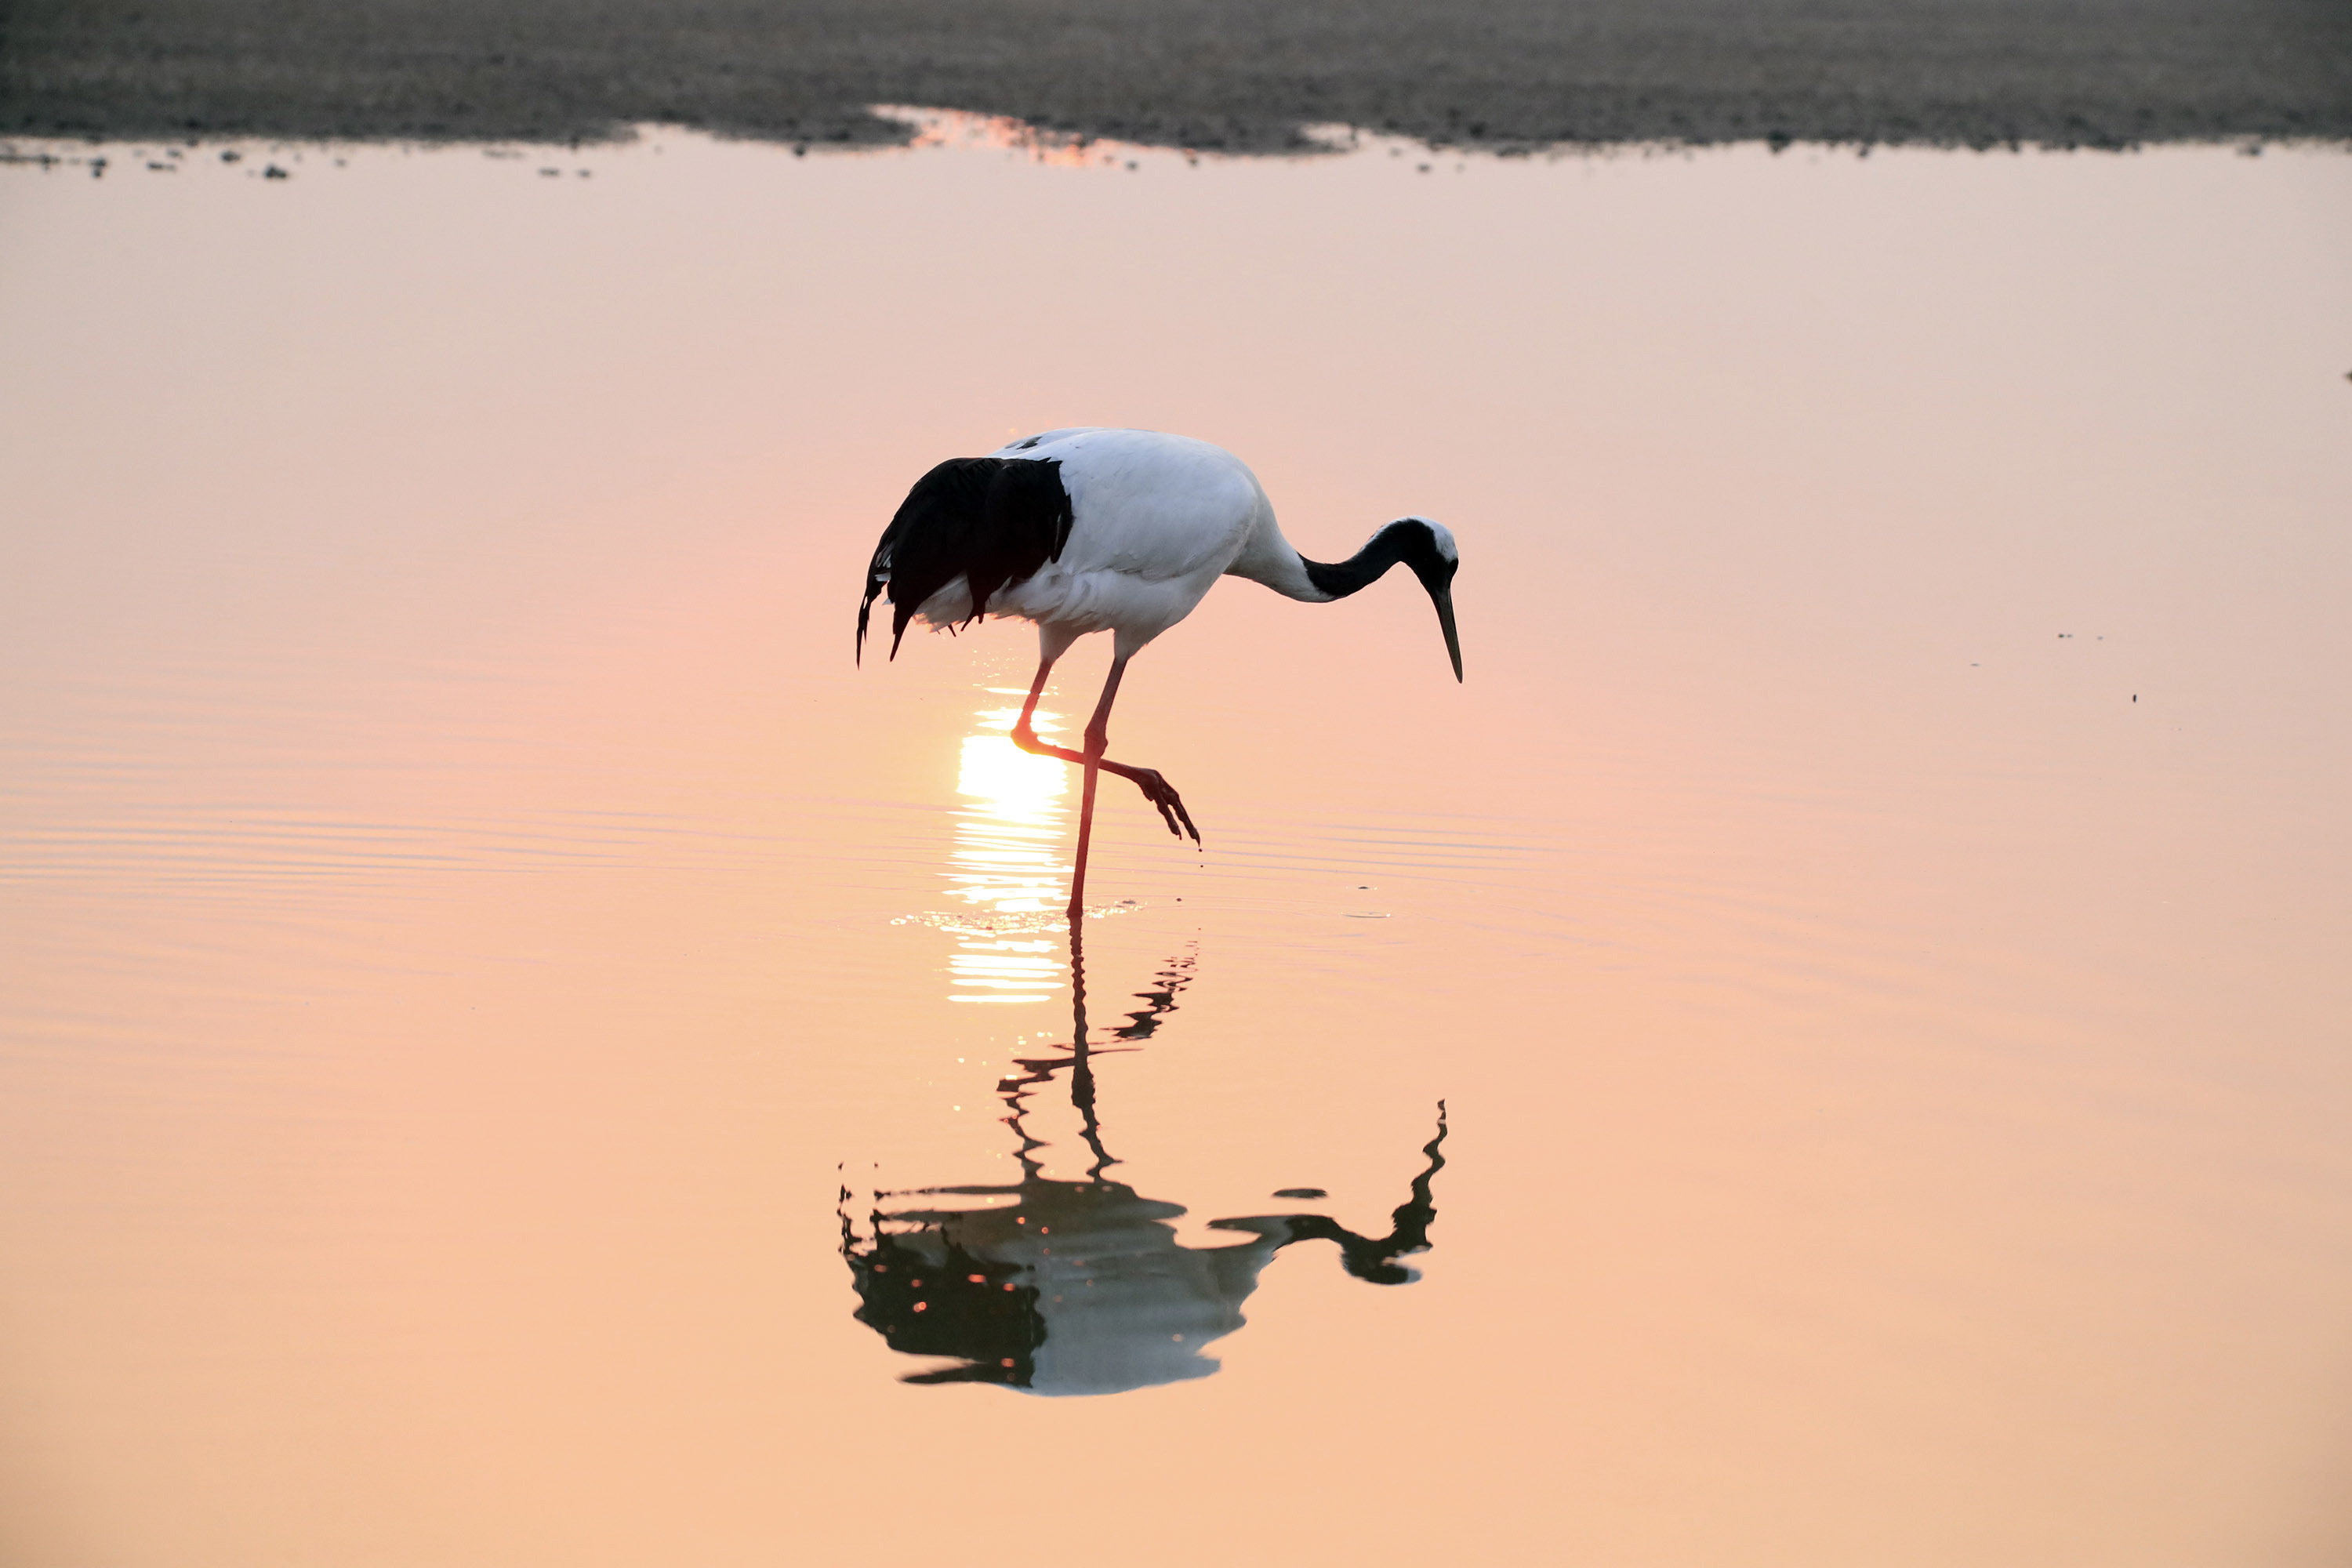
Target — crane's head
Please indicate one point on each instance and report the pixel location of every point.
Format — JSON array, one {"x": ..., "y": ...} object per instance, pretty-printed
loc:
[{"x": 1428, "y": 548}]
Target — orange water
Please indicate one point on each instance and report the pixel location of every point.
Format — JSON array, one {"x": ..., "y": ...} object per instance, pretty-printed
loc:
[{"x": 1874, "y": 914}]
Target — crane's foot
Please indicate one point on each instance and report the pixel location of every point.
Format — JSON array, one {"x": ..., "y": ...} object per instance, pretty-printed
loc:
[
  {"x": 1162, "y": 795},
  {"x": 1157, "y": 790}
]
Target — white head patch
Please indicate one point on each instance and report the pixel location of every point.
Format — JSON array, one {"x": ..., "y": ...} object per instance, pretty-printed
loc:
[{"x": 1443, "y": 536}]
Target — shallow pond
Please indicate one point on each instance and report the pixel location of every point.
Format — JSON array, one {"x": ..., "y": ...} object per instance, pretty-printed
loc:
[{"x": 1828, "y": 1047}]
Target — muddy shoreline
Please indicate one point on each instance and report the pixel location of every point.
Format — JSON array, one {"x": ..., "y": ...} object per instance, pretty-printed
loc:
[{"x": 1212, "y": 74}]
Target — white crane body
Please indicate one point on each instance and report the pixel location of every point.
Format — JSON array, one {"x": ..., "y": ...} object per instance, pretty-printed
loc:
[{"x": 1159, "y": 519}]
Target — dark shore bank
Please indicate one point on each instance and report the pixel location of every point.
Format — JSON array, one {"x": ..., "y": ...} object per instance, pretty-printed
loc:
[{"x": 1239, "y": 75}]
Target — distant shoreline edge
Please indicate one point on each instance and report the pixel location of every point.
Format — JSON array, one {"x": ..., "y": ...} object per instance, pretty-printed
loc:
[{"x": 1223, "y": 76}]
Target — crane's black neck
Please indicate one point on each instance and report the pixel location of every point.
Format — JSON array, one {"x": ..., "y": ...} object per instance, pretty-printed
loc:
[{"x": 1409, "y": 541}]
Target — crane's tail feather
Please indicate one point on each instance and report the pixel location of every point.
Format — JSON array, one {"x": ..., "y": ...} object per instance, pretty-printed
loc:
[{"x": 991, "y": 521}]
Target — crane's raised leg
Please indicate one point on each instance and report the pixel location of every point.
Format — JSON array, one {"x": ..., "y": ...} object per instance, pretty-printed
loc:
[{"x": 1156, "y": 790}]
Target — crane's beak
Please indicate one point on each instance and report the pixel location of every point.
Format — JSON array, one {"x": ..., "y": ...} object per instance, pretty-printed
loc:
[{"x": 1442, "y": 595}]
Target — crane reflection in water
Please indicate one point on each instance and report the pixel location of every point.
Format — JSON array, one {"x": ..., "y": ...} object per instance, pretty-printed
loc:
[
  {"x": 1082, "y": 1287},
  {"x": 1054, "y": 1286}
]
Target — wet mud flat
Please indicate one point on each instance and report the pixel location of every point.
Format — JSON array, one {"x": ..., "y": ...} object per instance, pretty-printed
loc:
[{"x": 1235, "y": 75}]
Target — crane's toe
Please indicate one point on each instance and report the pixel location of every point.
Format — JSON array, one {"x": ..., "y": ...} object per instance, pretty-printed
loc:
[{"x": 1162, "y": 793}]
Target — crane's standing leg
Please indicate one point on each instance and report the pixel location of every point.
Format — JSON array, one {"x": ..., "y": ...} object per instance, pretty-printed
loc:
[{"x": 1098, "y": 737}]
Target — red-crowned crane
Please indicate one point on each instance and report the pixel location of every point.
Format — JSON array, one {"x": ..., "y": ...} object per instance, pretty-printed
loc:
[{"x": 1089, "y": 530}]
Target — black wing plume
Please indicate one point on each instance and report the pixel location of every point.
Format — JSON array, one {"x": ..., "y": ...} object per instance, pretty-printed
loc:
[{"x": 990, "y": 521}]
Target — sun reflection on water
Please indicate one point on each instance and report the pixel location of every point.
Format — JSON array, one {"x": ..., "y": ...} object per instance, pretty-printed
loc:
[{"x": 1008, "y": 868}]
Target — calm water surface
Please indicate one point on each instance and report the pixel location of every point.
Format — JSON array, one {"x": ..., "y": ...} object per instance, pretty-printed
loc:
[{"x": 1829, "y": 1047}]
